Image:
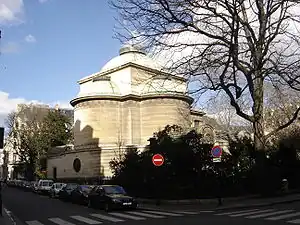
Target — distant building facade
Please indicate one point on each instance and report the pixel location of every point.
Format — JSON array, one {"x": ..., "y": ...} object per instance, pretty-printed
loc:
[
  {"x": 122, "y": 106},
  {"x": 24, "y": 112}
]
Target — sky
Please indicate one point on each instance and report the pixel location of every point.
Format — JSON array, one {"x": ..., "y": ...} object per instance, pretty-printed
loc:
[{"x": 48, "y": 45}]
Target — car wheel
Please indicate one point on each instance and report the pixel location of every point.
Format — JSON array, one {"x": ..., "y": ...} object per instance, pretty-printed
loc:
[{"x": 107, "y": 207}]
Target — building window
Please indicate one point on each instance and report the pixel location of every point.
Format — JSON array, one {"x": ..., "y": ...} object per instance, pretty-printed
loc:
[{"x": 196, "y": 123}]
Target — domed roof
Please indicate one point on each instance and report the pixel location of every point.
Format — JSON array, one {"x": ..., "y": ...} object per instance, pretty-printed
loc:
[{"x": 131, "y": 54}]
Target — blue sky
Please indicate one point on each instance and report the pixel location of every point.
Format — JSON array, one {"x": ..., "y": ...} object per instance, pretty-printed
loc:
[{"x": 47, "y": 45}]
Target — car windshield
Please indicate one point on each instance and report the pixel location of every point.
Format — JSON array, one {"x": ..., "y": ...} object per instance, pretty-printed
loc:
[
  {"x": 59, "y": 185},
  {"x": 47, "y": 183},
  {"x": 71, "y": 186},
  {"x": 114, "y": 190},
  {"x": 86, "y": 188}
]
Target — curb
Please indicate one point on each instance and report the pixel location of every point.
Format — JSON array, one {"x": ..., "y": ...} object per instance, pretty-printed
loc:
[
  {"x": 14, "y": 220},
  {"x": 9, "y": 215},
  {"x": 189, "y": 201},
  {"x": 241, "y": 206}
]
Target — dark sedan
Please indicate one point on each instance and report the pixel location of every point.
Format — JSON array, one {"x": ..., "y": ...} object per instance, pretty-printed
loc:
[
  {"x": 110, "y": 197},
  {"x": 65, "y": 192},
  {"x": 80, "y": 194}
]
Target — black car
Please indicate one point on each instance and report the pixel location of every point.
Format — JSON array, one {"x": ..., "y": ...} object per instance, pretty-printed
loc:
[
  {"x": 80, "y": 194},
  {"x": 65, "y": 192},
  {"x": 110, "y": 197}
]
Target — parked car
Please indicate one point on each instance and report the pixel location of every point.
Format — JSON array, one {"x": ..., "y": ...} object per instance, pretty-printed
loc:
[
  {"x": 65, "y": 192},
  {"x": 55, "y": 189},
  {"x": 80, "y": 194},
  {"x": 111, "y": 197},
  {"x": 43, "y": 186}
]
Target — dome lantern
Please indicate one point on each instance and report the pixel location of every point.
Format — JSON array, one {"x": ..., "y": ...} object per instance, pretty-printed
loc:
[{"x": 131, "y": 49}]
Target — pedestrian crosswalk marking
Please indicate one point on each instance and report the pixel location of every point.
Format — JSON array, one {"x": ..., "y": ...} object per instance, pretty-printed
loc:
[
  {"x": 250, "y": 213},
  {"x": 109, "y": 218},
  {"x": 146, "y": 215},
  {"x": 294, "y": 221},
  {"x": 286, "y": 216},
  {"x": 33, "y": 222},
  {"x": 269, "y": 214},
  {"x": 127, "y": 216},
  {"x": 60, "y": 221},
  {"x": 242, "y": 211},
  {"x": 187, "y": 212},
  {"x": 113, "y": 217},
  {"x": 85, "y": 220},
  {"x": 163, "y": 213}
]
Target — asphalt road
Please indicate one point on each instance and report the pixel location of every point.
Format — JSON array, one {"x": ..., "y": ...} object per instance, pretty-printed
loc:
[{"x": 33, "y": 209}]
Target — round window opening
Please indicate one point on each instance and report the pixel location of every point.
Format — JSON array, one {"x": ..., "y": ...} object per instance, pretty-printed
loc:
[{"x": 77, "y": 165}]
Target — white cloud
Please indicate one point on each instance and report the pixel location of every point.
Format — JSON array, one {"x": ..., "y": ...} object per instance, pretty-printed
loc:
[
  {"x": 8, "y": 104},
  {"x": 11, "y": 12},
  {"x": 30, "y": 38},
  {"x": 9, "y": 47},
  {"x": 43, "y": 1}
]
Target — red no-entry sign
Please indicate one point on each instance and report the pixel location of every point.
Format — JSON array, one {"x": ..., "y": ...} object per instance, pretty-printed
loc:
[{"x": 158, "y": 160}]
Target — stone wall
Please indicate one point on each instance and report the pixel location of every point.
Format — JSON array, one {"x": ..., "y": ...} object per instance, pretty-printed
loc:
[
  {"x": 159, "y": 112},
  {"x": 90, "y": 164},
  {"x": 112, "y": 125}
]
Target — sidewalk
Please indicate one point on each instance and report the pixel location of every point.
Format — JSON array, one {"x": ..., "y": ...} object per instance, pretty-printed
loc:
[
  {"x": 6, "y": 218},
  {"x": 230, "y": 203}
]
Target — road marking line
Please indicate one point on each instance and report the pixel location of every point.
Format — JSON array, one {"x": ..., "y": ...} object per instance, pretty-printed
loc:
[
  {"x": 112, "y": 219},
  {"x": 146, "y": 215},
  {"x": 269, "y": 214},
  {"x": 162, "y": 213},
  {"x": 33, "y": 222},
  {"x": 127, "y": 216},
  {"x": 60, "y": 221},
  {"x": 251, "y": 213},
  {"x": 284, "y": 216},
  {"x": 85, "y": 220},
  {"x": 228, "y": 213},
  {"x": 207, "y": 211}
]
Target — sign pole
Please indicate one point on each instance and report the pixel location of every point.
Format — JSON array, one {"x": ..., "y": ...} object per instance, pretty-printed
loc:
[
  {"x": 216, "y": 153},
  {"x": 158, "y": 160}
]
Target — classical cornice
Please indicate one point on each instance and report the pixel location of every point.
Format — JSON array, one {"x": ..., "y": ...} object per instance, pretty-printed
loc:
[
  {"x": 185, "y": 98},
  {"x": 130, "y": 64}
]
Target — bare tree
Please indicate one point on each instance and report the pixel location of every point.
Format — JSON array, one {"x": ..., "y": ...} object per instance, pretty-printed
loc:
[
  {"x": 280, "y": 108},
  {"x": 232, "y": 46},
  {"x": 219, "y": 108}
]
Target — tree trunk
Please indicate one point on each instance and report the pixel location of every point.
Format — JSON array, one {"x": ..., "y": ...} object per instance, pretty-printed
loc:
[{"x": 258, "y": 114}]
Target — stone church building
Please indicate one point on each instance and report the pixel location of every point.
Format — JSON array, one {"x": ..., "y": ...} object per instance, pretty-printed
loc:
[{"x": 121, "y": 106}]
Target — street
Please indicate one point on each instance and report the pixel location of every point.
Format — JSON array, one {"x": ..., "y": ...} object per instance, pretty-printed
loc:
[{"x": 33, "y": 209}]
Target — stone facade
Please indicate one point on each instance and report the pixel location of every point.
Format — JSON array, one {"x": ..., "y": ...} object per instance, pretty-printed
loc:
[{"x": 122, "y": 105}]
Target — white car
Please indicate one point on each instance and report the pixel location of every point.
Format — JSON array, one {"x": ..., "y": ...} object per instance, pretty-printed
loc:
[
  {"x": 44, "y": 186},
  {"x": 55, "y": 189}
]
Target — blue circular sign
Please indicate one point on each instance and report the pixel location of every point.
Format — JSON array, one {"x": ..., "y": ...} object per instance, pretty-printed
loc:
[{"x": 216, "y": 151}]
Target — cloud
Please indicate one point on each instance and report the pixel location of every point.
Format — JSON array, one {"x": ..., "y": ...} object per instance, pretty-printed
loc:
[
  {"x": 8, "y": 104},
  {"x": 10, "y": 47},
  {"x": 11, "y": 12},
  {"x": 43, "y": 1},
  {"x": 30, "y": 39}
]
